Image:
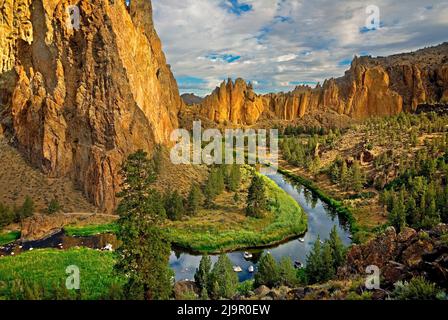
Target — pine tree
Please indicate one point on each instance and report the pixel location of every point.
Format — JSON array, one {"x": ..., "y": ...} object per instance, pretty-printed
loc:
[
  {"x": 328, "y": 270},
  {"x": 27, "y": 209},
  {"x": 397, "y": 216},
  {"x": 337, "y": 248},
  {"x": 314, "y": 264},
  {"x": 224, "y": 280},
  {"x": 358, "y": 178},
  {"x": 345, "y": 175},
  {"x": 174, "y": 206},
  {"x": 202, "y": 276},
  {"x": 143, "y": 257},
  {"x": 194, "y": 199},
  {"x": 268, "y": 272},
  {"x": 234, "y": 178},
  {"x": 287, "y": 273},
  {"x": 256, "y": 200}
]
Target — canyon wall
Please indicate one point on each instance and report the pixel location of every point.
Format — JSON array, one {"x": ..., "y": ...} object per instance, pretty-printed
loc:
[
  {"x": 371, "y": 87},
  {"x": 233, "y": 102},
  {"x": 77, "y": 101}
]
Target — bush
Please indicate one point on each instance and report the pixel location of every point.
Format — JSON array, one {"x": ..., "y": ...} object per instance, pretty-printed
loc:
[
  {"x": 417, "y": 289},
  {"x": 53, "y": 207}
]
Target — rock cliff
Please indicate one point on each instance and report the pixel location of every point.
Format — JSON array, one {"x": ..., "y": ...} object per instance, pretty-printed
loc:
[
  {"x": 77, "y": 101},
  {"x": 371, "y": 87},
  {"x": 233, "y": 103}
]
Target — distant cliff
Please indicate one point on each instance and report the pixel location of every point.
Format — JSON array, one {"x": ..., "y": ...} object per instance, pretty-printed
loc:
[
  {"x": 77, "y": 102},
  {"x": 371, "y": 87},
  {"x": 191, "y": 99}
]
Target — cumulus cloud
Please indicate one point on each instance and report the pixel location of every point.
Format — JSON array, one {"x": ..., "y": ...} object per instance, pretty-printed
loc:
[{"x": 277, "y": 44}]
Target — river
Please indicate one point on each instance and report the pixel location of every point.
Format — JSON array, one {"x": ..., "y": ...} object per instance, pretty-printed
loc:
[{"x": 321, "y": 220}]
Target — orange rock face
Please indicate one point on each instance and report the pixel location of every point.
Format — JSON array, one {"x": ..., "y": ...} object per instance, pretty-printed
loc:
[
  {"x": 372, "y": 87},
  {"x": 77, "y": 102},
  {"x": 233, "y": 103}
]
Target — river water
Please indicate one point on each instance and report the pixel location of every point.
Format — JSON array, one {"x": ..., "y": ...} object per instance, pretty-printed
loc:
[{"x": 321, "y": 220}]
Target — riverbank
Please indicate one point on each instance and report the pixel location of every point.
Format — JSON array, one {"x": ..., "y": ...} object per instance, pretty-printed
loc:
[
  {"x": 224, "y": 229},
  {"x": 8, "y": 237},
  {"x": 359, "y": 233}
]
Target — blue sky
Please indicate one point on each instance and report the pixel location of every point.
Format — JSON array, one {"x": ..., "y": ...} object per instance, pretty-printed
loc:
[{"x": 277, "y": 44}]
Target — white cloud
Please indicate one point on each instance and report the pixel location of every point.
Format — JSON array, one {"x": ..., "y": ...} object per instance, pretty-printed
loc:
[{"x": 280, "y": 42}]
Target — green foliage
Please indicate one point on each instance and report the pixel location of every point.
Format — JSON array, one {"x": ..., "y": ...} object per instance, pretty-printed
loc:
[
  {"x": 53, "y": 207},
  {"x": 40, "y": 274},
  {"x": 144, "y": 254},
  {"x": 244, "y": 288},
  {"x": 286, "y": 272},
  {"x": 325, "y": 259},
  {"x": 234, "y": 180},
  {"x": 287, "y": 221},
  {"x": 202, "y": 276},
  {"x": 268, "y": 272},
  {"x": 215, "y": 185},
  {"x": 9, "y": 237},
  {"x": 7, "y": 215},
  {"x": 256, "y": 199},
  {"x": 224, "y": 281},
  {"x": 417, "y": 289},
  {"x": 174, "y": 206},
  {"x": 337, "y": 249},
  {"x": 194, "y": 199}
]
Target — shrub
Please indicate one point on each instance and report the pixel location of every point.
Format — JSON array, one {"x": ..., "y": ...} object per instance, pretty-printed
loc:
[{"x": 417, "y": 289}]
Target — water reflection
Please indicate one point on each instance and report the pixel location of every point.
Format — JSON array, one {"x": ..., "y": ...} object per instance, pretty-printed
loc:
[{"x": 321, "y": 219}]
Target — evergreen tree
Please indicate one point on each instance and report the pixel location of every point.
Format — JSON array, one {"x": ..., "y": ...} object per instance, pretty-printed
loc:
[
  {"x": 53, "y": 207},
  {"x": 143, "y": 256},
  {"x": 337, "y": 249},
  {"x": 215, "y": 185},
  {"x": 256, "y": 200},
  {"x": 358, "y": 178},
  {"x": 268, "y": 272},
  {"x": 194, "y": 199},
  {"x": 345, "y": 175},
  {"x": 287, "y": 273},
  {"x": 397, "y": 216},
  {"x": 202, "y": 276},
  {"x": 174, "y": 206},
  {"x": 224, "y": 280},
  {"x": 26, "y": 210},
  {"x": 314, "y": 264},
  {"x": 328, "y": 271},
  {"x": 234, "y": 178}
]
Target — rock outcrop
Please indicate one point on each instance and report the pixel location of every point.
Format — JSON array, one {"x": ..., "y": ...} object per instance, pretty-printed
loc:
[
  {"x": 77, "y": 101},
  {"x": 233, "y": 103},
  {"x": 401, "y": 256},
  {"x": 371, "y": 87}
]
